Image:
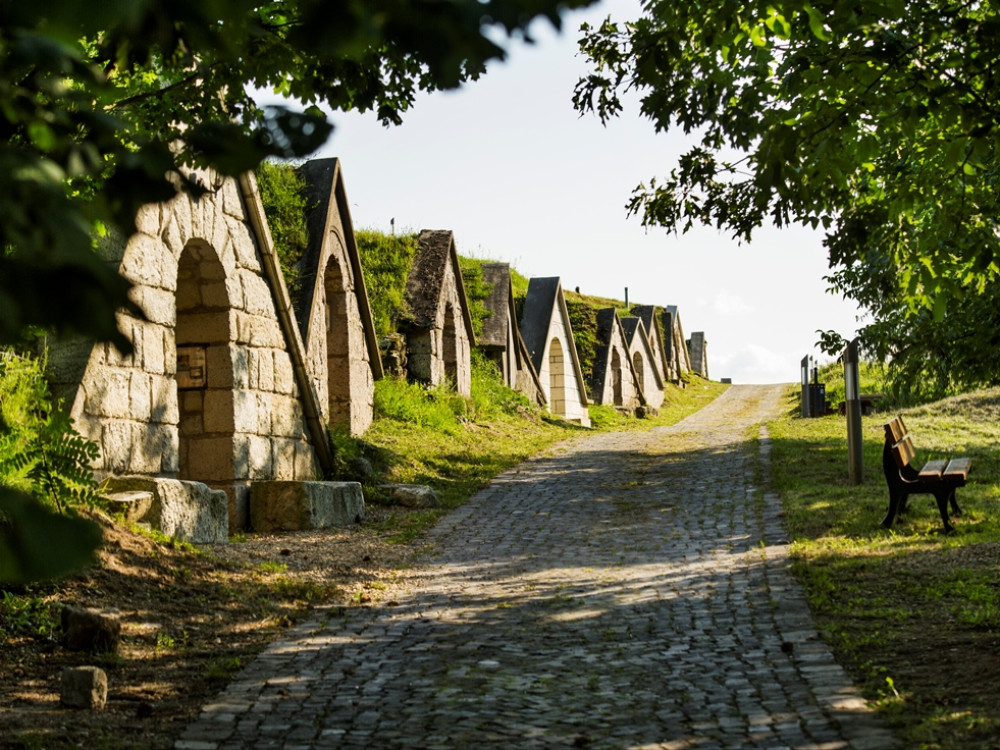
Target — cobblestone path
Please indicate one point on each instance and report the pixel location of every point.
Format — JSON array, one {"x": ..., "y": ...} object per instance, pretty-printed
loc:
[{"x": 620, "y": 591}]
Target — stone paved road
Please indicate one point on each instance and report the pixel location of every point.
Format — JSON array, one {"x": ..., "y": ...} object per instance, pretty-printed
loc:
[{"x": 620, "y": 591}]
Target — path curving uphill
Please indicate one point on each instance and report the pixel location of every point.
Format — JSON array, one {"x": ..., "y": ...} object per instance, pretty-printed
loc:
[{"x": 619, "y": 591}]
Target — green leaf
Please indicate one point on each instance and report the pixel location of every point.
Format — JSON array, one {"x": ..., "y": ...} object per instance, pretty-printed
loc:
[
  {"x": 817, "y": 24},
  {"x": 37, "y": 543}
]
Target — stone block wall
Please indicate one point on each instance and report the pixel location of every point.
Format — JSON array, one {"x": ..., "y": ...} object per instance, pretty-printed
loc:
[{"x": 198, "y": 277}]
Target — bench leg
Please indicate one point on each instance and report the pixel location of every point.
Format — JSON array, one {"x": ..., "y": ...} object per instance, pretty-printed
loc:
[
  {"x": 955, "y": 510},
  {"x": 896, "y": 500},
  {"x": 943, "y": 497}
]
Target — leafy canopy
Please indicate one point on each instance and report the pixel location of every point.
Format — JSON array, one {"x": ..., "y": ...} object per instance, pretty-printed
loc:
[
  {"x": 877, "y": 121},
  {"x": 107, "y": 106}
]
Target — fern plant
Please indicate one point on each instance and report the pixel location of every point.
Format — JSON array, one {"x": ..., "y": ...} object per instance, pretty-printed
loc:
[{"x": 40, "y": 451}]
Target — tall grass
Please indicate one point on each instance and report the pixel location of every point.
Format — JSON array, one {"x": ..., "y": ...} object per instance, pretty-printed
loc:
[{"x": 386, "y": 261}]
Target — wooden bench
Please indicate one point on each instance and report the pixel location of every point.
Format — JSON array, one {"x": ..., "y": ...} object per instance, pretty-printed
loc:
[
  {"x": 868, "y": 403},
  {"x": 938, "y": 478}
]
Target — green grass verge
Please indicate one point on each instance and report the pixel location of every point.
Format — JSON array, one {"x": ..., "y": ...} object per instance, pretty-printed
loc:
[{"x": 912, "y": 613}]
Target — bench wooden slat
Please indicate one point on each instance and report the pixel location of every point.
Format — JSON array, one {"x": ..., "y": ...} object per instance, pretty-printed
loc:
[
  {"x": 896, "y": 429},
  {"x": 958, "y": 467},
  {"x": 903, "y": 451},
  {"x": 932, "y": 470}
]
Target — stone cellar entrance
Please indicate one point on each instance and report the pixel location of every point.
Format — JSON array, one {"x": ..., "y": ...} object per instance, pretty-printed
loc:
[
  {"x": 204, "y": 369},
  {"x": 338, "y": 351}
]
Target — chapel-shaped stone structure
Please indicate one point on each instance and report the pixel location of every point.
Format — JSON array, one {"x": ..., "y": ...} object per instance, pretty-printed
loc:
[
  {"x": 652, "y": 322},
  {"x": 698, "y": 348},
  {"x": 439, "y": 336},
  {"x": 547, "y": 332},
  {"x": 331, "y": 304},
  {"x": 678, "y": 358},
  {"x": 613, "y": 381},
  {"x": 216, "y": 390},
  {"x": 501, "y": 338},
  {"x": 644, "y": 361}
]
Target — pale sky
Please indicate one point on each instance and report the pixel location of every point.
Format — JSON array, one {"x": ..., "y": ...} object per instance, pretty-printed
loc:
[{"x": 508, "y": 165}]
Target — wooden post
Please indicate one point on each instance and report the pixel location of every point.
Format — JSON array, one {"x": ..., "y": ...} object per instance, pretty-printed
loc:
[{"x": 852, "y": 397}]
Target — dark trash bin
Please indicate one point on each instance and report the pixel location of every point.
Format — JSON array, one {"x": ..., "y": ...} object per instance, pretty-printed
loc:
[{"x": 817, "y": 399}]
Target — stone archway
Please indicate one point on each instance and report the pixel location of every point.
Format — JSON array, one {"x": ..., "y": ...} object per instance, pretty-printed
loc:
[
  {"x": 637, "y": 366},
  {"x": 204, "y": 381},
  {"x": 616, "y": 378},
  {"x": 338, "y": 364},
  {"x": 449, "y": 346},
  {"x": 557, "y": 378}
]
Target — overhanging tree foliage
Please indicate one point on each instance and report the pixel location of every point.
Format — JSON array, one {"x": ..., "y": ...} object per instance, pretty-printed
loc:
[
  {"x": 877, "y": 121},
  {"x": 107, "y": 106}
]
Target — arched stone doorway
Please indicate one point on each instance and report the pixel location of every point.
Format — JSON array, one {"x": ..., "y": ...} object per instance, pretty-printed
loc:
[
  {"x": 338, "y": 364},
  {"x": 557, "y": 378},
  {"x": 204, "y": 381},
  {"x": 637, "y": 366},
  {"x": 616, "y": 378},
  {"x": 449, "y": 346}
]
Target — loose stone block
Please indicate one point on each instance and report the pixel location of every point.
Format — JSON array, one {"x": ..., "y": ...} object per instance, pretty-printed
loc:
[
  {"x": 296, "y": 506},
  {"x": 91, "y": 629},
  {"x": 84, "y": 687},
  {"x": 187, "y": 510},
  {"x": 410, "y": 495},
  {"x": 132, "y": 505}
]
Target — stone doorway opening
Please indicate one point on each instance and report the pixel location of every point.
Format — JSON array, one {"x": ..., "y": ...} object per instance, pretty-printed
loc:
[
  {"x": 338, "y": 365},
  {"x": 557, "y": 378},
  {"x": 616, "y": 378},
  {"x": 449, "y": 346},
  {"x": 204, "y": 381}
]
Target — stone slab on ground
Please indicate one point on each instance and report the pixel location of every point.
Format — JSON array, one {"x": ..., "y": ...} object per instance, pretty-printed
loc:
[
  {"x": 279, "y": 505},
  {"x": 190, "y": 511},
  {"x": 410, "y": 495},
  {"x": 83, "y": 687}
]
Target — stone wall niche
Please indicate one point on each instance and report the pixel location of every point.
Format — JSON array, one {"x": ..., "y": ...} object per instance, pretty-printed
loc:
[
  {"x": 205, "y": 376},
  {"x": 557, "y": 377}
]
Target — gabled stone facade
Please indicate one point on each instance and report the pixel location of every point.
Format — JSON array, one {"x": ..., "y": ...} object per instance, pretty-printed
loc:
[
  {"x": 439, "y": 337},
  {"x": 644, "y": 361},
  {"x": 678, "y": 358},
  {"x": 215, "y": 389},
  {"x": 699, "y": 353},
  {"x": 650, "y": 315},
  {"x": 501, "y": 339},
  {"x": 548, "y": 335},
  {"x": 332, "y": 307},
  {"x": 613, "y": 381}
]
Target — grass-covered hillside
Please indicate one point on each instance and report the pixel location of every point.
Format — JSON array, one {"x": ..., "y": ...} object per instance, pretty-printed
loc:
[{"x": 913, "y": 613}]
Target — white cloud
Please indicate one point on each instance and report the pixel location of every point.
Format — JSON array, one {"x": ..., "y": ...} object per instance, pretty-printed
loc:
[
  {"x": 730, "y": 305},
  {"x": 753, "y": 363}
]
